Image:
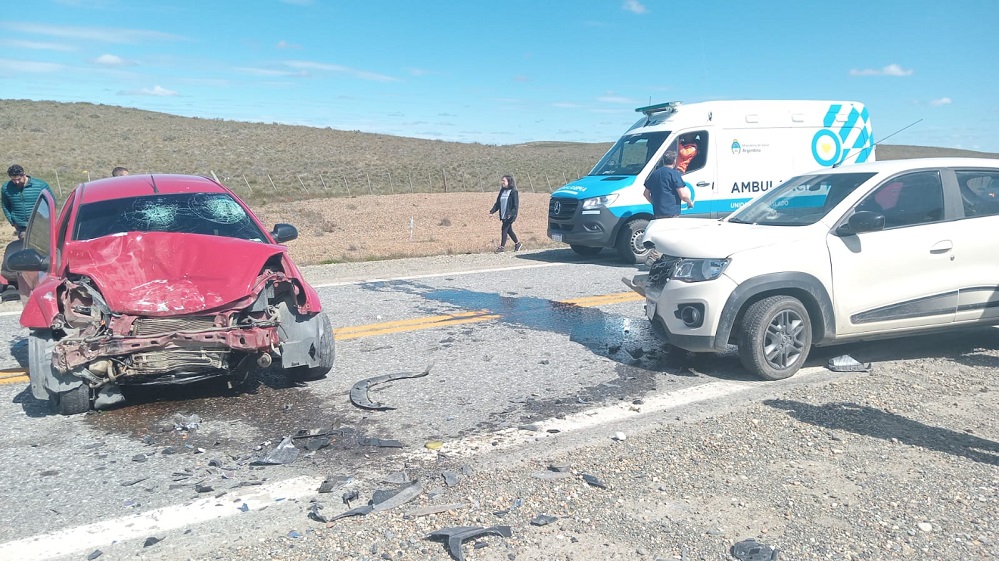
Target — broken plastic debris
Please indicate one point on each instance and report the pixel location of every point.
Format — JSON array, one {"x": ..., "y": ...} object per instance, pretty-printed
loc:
[
  {"x": 94, "y": 554},
  {"x": 846, "y": 363},
  {"x": 314, "y": 513},
  {"x": 283, "y": 453},
  {"x": 450, "y": 478},
  {"x": 151, "y": 540},
  {"x": 403, "y": 496},
  {"x": 359, "y": 393},
  {"x": 433, "y": 445},
  {"x": 433, "y": 509},
  {"x": 751, "y": 550},
  {"x": 359, "y": 511},
  {"x": 333, "y": 482},
  {"x": 379, "y": 442},
  {"x": 458, "y": 534},
  {"x": 543, "y": 520},
  {"x": 294, "y": 534},
  {"x": 198, "y": 487},
  {"x": 594, "y": 481},
  {"x": 244, "y": 507}
]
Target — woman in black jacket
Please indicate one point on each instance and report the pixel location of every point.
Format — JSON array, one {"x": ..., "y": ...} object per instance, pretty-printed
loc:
[{"x": 507, "y": 203}]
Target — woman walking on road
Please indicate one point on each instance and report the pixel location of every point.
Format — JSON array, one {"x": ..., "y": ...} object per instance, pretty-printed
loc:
[{"x": 507, "y": 203}]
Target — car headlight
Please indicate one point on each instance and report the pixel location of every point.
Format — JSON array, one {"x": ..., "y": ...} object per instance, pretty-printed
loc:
[
  {"x": 696, "y": 270},
  {"x": 598, "y": 202}
]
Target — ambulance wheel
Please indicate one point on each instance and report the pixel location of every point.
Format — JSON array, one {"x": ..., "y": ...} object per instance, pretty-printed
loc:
[
  {"x": 585, "y": 250},
  {"x": 629, "y": 242}
]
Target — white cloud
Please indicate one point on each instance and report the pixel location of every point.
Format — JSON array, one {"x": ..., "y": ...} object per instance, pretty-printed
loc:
[
  {"x": 611, "y": 97},
  {"x": 110, "y": 60},
  {"x": 268, "y": 72},
  {"x": 306, "y": 66},
  {"x": 98, "y": 34},
  {"x": 890, "y": 70},
  {"x": 282, "y": 44},
  {"x": 155, "y": 91},
  {"x": 634, "y": 6},
  {"x": 9, "y": 66},
  {"x": 37, "y": 45},
  {"x": 941, "y": 101}
]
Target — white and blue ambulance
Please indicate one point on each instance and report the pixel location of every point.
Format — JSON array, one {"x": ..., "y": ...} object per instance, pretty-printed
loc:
[{"x": 741, "y": 149}]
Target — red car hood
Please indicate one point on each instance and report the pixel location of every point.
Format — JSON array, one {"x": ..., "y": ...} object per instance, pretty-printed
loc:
[{"x": 162, "y": 274}]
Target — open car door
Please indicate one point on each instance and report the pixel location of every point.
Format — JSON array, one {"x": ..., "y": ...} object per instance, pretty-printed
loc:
[{"x": 37, "y": 258}]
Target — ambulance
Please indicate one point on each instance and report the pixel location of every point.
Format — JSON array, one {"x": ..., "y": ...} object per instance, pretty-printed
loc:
[{"x": 733, "y": 152}]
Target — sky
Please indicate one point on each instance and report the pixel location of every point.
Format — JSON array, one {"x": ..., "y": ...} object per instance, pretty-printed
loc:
[{"x": 511, "y": 71}]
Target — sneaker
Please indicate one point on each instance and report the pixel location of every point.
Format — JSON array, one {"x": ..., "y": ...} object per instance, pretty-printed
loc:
[
  {"x": 517, "y": 246},
  {"x": 500, "y": 249}
]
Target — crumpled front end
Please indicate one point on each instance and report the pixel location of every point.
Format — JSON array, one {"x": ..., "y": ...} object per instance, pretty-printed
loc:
[{"x": 102, "y": 347}]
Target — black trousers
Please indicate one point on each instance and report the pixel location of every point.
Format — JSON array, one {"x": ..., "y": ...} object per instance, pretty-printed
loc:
[{"x": 507, "y": 230}]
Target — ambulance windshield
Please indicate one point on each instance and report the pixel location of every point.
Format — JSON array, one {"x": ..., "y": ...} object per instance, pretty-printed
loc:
[{"x": 630, "y": 153}]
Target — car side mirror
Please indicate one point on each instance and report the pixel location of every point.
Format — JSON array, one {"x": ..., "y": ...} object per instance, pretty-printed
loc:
[
  {"x": 862, "y": 221},
  {"x": 284, "y": 233},
  {"x": 27, "y": 260}
]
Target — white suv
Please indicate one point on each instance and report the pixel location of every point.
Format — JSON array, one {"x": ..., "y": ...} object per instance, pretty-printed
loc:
[{"x": 860, "y": 252}]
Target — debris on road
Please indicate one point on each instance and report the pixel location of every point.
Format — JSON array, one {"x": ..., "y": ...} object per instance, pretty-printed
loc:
[
  {"x": 397, "y": 498},
  {"x": 846, "y": 363},
  {"x": 359, "y": 393},
  {"x": 283, "y": 453},
  {"x": 334, "y": 482},
  {"x": 379, "y": 442},
  {"x": 543, "y": 520},
  {"x": 454, "y": 536},
  {"x": 751, "y": 550},
  {"x": 594, "y": 481},
  {"x": 433, "y": 509}
]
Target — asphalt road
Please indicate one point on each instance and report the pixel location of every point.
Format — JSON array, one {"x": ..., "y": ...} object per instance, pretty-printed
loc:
[{"x": 515, "y": 344}]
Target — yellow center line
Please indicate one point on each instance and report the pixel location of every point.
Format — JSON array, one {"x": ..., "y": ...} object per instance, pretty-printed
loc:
[{"x": 18, "y": 375}]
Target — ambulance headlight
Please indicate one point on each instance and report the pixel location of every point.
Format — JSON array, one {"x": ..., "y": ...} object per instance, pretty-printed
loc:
[
  {"x": 599, "y": 202},
  {"x": 697, "y": 270}
]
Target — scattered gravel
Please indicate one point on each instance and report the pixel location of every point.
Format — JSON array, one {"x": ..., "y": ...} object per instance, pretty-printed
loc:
[{"x": 900, "y": 463}]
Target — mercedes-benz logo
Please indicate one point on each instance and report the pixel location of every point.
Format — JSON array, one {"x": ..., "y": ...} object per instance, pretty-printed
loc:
[{"x": 557, "y": 207}]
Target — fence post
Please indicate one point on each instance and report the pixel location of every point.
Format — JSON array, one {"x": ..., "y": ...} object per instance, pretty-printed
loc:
[
  {"x": 345, "y": 184},
  {"x": 444, "y": 175},
  {"x": 272, "y": 182},
  {"x": 325, "y": 188},
  {"x": 304, "y": 188},
  {"x": 368, "y": 178},
  {"x": 549, "y": 181},
  {"x": 247, "y": 184},
  {"x": 529, "y": 180},
  {"x": 409, "y": 174},
  {"x": 564, "y": 180},
  {"x": 58, "y": 184},
  {"x": 391, "y": 187}
]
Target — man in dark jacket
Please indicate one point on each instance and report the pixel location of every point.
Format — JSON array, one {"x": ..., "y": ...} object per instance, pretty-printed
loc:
[
  {"x": 665, "y": 189},
  {"x": 18, "y": 197}
]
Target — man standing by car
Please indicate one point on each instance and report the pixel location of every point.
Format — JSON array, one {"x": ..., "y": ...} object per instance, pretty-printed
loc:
[
  {"x": 665, "y": 189},
  {"x": 18, "y": 199}
]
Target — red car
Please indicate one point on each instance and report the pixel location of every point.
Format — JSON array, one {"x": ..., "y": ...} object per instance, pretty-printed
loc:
[{"x": 160, "y": 279}]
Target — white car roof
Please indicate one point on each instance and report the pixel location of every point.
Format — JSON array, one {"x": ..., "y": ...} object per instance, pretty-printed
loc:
[{"x": 896, "y": 166}]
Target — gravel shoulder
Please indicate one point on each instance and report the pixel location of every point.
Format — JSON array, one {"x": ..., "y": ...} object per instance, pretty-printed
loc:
[{"x": 898, "y": 463}]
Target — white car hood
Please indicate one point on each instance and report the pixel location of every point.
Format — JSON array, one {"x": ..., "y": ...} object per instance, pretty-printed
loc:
[{"x": 697, "y": 237}]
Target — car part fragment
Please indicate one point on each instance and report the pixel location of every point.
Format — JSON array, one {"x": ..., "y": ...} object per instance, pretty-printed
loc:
[
  {"x": 455, "y": 535},
  {"x": 359, "y": 393}
]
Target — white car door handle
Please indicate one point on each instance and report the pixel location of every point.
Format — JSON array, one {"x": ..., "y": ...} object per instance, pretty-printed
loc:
[{"x": 942, "y": 247}]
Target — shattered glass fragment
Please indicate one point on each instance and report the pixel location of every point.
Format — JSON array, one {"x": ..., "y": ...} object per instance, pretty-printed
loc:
[
  {"x": 283, "y": 453},
  {"x": 594, "y": 481}
]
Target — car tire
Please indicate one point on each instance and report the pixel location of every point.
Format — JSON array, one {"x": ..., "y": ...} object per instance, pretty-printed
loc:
[
  {"x": 585, "y": 250},
  {"x": 629, "y": 242},
  {"x": 325, "y": 354},
  {"x": 72, "y": 402},
  {"x": 775, "y": 337}
]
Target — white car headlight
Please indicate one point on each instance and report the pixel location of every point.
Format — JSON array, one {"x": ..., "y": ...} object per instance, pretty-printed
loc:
[
  {"x": 598, "y": 202},
  {"x": 696, "y": 270}
]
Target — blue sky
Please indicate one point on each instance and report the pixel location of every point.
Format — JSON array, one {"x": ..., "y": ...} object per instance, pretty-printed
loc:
[{"x": 511, "y": 71}]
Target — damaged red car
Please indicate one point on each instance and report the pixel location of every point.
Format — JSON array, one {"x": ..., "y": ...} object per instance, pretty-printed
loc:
[{"x": 160, "y": 279}]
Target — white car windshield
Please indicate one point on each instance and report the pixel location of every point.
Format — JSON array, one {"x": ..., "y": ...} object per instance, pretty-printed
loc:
[{"x": 800, "y": 201}]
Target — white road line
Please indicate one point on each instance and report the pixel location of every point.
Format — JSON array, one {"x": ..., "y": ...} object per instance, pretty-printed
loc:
[
  {"x": 143, "y": 525},
  {"x": 432, "y": 275}
]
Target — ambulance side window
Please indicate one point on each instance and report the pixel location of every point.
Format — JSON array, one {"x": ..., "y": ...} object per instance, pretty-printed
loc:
[{"x": 691, "y": 151}]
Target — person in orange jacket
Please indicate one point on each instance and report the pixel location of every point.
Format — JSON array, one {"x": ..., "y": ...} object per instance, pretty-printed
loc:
[{"x": 686, "y": 150}]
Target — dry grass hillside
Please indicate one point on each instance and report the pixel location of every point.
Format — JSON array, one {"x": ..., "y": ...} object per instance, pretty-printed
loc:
[{"x": 352, "y": 195}]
